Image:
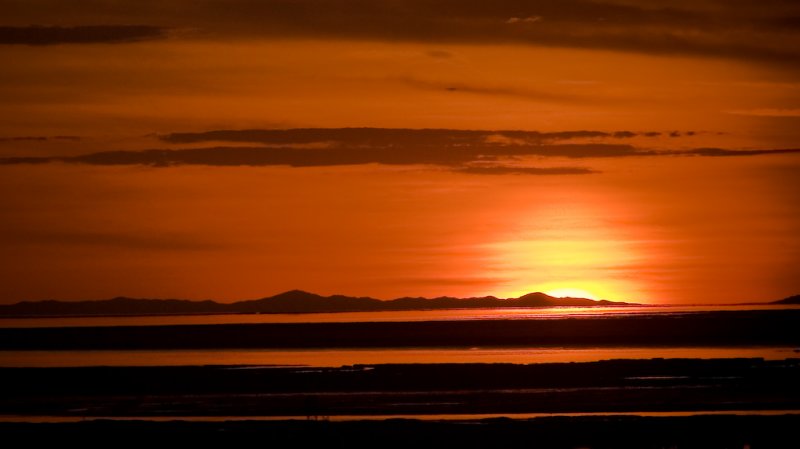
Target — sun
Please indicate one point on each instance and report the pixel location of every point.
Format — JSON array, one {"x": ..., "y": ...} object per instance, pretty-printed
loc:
[{"x": 570, "y": 293}]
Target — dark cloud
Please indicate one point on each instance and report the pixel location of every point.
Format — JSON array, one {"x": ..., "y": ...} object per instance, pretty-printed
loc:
[
  {"x": 390, "y": 136},
  {"x": 509, "y": 170},
  {"x": 356, "y": 146},
  {"x": 503, "y": 91},
  {"x": 305, "y": 157},
  {"x": 25, "y": 160},
  {"x": 574, "y": 150},
  {"x": 349, "y": 136},
  {"x": 791, "y": 22},
  {"x": 764, "y": 31},
  {"x": 39, "y": 138},
  {"x": 52, "y": 35},
  {"x": 720, "y": 152}
]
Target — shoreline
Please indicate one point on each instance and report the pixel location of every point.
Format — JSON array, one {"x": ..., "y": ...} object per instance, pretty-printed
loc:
[{"x": 466, "y": 417}]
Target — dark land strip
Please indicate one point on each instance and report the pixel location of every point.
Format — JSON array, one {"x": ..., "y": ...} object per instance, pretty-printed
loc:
[
  {"x": 609, "y": 386},
  {"x": 605, "y": 432}
]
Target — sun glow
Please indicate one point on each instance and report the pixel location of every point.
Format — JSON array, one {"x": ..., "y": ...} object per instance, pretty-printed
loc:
[
  {"x": 570, "y": 293},
  {"x": 569, "y": 245}
]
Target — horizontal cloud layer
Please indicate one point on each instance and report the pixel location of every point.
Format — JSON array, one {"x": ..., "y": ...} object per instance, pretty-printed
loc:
[
  {"x": 52, "y": 35},
  {"x": 467, "y": 151},
  {"x": 763, "y": 31},
  {"x": 508, "y": 170},
  {"x": 394, "y": 136},
  {"x": 38, "y": 138}
]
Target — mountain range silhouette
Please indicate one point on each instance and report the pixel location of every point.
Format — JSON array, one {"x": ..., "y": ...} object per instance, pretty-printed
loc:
[
  {"x": 293, "y": 301},
  {"x": 789, "y": 301},
  {"x": 299, "y": 301}
]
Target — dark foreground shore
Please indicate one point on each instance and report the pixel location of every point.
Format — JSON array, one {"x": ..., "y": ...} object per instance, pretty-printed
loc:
[
  {"x": 415, "y": 389},
  {"x": 304, "y": 398},
  {"x": 310, "y": 395},
  {"x": 606, "y": 432}
]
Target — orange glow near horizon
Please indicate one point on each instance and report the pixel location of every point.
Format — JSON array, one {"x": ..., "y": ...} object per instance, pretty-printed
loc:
[
  {"x": 568, "y": 243},
  {"x": 569, "y": 292},
  {"x": 390, "y": 232}
]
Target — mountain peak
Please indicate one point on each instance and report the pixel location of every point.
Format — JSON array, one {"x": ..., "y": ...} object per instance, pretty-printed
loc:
[
  {"x": 295, "y": 294},
  {"x": 536, "y": 295}
]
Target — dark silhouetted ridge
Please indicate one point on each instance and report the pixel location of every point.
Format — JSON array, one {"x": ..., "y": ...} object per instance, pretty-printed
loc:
[
  {"x": 790, "y": 300},
  {"x": 115, "y": 306},
  {"x": 293, "y": 301}
]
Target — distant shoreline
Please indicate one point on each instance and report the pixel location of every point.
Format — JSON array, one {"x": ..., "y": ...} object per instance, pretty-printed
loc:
[
  {"x": 294, "y": 301},
  {"x": 621, "y": 432},
  {"x": 176, "y": 314},
  {"x": 301, "y": 302}
]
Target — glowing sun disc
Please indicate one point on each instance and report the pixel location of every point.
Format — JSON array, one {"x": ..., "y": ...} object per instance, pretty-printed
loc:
[{"x": 569, "y": 293}]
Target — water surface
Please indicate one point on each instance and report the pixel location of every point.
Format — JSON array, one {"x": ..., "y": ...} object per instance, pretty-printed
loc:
[
  {"x": 336, "y": 358},
  {"x": 521, "y": 313}
]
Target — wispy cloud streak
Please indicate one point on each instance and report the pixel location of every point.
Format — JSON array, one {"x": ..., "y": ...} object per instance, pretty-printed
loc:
[{"x": 95, "y": 34}]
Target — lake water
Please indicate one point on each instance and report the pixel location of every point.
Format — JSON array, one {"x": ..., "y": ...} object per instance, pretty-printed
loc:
[
  {"x": 522, "y": 313},
  {"x": 335, "y": 358}
]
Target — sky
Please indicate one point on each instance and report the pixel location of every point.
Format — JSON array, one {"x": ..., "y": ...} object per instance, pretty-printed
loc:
[{"x": 228, "y": 150}]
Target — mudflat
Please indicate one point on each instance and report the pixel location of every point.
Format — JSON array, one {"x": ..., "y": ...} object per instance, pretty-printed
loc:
[{"x": 370, "y": 390}]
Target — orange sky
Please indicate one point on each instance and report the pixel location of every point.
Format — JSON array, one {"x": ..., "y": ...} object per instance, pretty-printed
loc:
[{"x": 647, "y": 173}]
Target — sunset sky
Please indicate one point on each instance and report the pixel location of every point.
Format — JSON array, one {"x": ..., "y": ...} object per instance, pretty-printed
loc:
[{"x": 644, "y": 151}]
